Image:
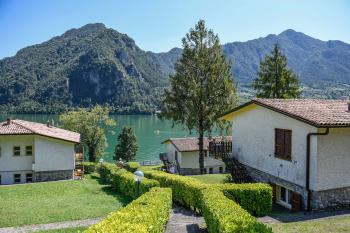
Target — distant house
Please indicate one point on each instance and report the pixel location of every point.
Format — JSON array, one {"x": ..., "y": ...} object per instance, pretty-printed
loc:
[
  {"x": 301, "y": 147},
  {"x": 185, "y": 152},
  {"x": 32, "y": 152}
]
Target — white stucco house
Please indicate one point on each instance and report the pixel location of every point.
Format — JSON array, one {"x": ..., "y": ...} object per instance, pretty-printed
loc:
[
  {"x": 31, "y": 152},
  {"x": 301, "y": 147},
  {"x": 185, "y": 152}
]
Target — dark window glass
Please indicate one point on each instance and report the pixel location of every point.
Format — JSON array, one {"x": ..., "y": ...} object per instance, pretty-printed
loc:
[
  {"x": 29, "y": 150},
  {"x": 29, "y": 177},
  {"x": 16, "y": 151},
  {"x": 17, "y": 178}
]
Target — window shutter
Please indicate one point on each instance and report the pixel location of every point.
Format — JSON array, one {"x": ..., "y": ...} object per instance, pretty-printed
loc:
[
  {"x": 296, "y": 202},
  {"x": 287, "y": 144},
  {"x": 279, "y": 141}
]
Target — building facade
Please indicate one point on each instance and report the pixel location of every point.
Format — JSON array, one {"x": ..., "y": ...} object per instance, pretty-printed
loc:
[
  {"x": 33, "y": 152},
  {"x": 300, "y": 147}
]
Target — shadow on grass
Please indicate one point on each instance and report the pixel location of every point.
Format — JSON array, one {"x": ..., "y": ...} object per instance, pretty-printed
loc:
[
  {"x": 108, "y": 189},
  {"x": 284, "y": 215}
]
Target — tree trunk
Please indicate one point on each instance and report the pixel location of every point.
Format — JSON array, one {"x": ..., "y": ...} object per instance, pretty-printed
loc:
[
  {"x": 91, "y": 154},
  {"x": 201, "y": 152}
]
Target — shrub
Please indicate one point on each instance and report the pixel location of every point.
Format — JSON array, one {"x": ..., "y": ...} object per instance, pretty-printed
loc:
[
  {"x": 132, "y": 166},
  {"x": 89, "y": 167},
  {"x": 186, "y": 190},
  {"x": 123, "y": 181},
  {"x": 147, "y": 214},
  {"x": 256, "y": 198},
  {"x": 224, "y": 215}
]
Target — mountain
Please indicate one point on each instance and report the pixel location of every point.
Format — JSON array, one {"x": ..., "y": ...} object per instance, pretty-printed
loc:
[
  {"x": 97, "y": 65},
  {"x": 83, "y": 67}
]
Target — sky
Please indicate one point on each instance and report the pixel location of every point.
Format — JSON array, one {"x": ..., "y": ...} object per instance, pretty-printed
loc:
[{"x": 159, "y": 25}]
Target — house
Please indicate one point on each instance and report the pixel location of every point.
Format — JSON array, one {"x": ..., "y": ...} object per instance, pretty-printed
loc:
[
  {"x": 185, "y": 153},
  {"x": 300, "y": 146},
  {"x": 32, "y": 152}
]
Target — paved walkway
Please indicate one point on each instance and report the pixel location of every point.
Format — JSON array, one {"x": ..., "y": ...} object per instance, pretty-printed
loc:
[
  {"x": 50, "y": 226},
  {"x": 183, "y": 220}
]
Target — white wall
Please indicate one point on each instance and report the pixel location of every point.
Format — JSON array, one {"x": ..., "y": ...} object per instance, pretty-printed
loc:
[
  {"x": 254, "y": 139},
  {"x": 333, "y": 165},
  {"x": 52, "y": 154}
]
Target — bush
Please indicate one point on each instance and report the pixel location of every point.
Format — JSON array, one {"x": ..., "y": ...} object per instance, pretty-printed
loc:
[
  {"x": 224, "y": 215},
  {"x": 186, "y": 190},
  {"x": 147, "y": 214},
  {"x": 123, "y": 181},
  {"x": 89, "y": 167},
  {"x": 256, "y": 198},
  {"x": 132, "y": 166}
]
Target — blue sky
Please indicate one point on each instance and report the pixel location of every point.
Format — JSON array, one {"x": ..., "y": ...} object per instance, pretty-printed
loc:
[{"x": 159, "y": 25}]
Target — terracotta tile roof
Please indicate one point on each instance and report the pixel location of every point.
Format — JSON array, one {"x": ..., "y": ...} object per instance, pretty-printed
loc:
[
  {"x": 27, "y": 127},
  {"x": 191, "y": 143},
  {"x": 316, "y": 112}
]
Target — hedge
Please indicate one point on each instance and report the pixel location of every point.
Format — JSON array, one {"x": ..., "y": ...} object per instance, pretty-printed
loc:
[
  {"x": 186, "y": 190},
  {"x": 132, "y": 166},
  {"x": 147, "y": 214},
  {"x": 256, "y": 198},
  {"x": 123, "y": 181},
  {"x": 89, "y": 167},
  {"x": 225, "y": 216}
]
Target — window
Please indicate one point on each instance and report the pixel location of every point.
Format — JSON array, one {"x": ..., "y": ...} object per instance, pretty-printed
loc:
[
  {"x": 29, "y": 150},
  {"x": 0, "y": 151},
  {"x": 210, "y": 170},
  {"x": 284, "y": 196},
  {"x": 17, "y": 178},
  {"x": 283, "y": 144},
  {"x": 220, "y": 169},
  {"x": 16, "y": 151},
  {"x": 29, "y": 177},
  {"x": 0, "y": 179},
  {"x": 176, "y": 156}
]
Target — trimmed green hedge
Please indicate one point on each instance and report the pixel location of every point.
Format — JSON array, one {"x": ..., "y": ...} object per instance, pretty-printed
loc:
[
  {"x": 123, "y": 181},
  {"x": 132, "y": 166},
  {"x": 225, "y": 216},
  {"x": 89, "y": 167},
  {"x": 256, "y": 198},
  {"x": 147, "y": 214},
  {"x": 186, "y": 190}
]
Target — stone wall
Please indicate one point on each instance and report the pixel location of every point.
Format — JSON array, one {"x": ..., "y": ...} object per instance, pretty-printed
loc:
[
  {"x": 53, "y": 175},
  {"x": 189, "y": 171},
  {"x": 333, "y": 198}
]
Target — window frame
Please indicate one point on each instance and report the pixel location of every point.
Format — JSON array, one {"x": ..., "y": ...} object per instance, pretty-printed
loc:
[
  {"x": 14, "y": 178},
  {"x": 31, "y": 150},
  {"x": 288, "y": 196},
  {"x": 283, "y": 144},
  {"x": 14, "y": 150}
]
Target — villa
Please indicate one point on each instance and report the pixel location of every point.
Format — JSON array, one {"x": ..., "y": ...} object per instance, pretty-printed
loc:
[
  {"x": 185, "y": 153},
  {"x": 32, "y": 152},
  {"x": 301, "y": 147}
]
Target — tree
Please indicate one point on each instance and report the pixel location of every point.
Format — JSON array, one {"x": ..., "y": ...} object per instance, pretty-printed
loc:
[
  {"x": 91, "y": 124},
  {"x": 201, "y": 88},
  {"x": 127, "y": 145},
  {"x": 274, "y": 79}
]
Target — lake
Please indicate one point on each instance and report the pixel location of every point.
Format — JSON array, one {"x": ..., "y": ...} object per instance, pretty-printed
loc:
[{"x": 150, "y": 131}]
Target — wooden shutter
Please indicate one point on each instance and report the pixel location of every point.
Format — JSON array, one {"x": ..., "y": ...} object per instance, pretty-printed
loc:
[
  {"x": 287, "y": 144},
  {"x": 279, "y": 142},
  {"x": 296, "y": 202},
  {"x": 273, "y": 192}
]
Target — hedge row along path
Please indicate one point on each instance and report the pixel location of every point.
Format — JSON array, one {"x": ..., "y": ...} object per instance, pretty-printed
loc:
[
  {"x": 183, "y": 220},
  {"x": 50, "y": 226}
]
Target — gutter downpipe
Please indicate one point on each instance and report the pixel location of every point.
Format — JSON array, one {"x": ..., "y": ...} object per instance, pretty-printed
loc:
[{"x": 308, "y": 154}]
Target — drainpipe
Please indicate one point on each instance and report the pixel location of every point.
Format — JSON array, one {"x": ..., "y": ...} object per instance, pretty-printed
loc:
[{"x": 308, "y": 154}]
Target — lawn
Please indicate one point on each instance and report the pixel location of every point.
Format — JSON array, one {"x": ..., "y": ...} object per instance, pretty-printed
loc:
[
  {"x": 57, "y": 201},
  {"x": 328, "y": 225},
  {"x": 211, "y": 178},
  {"x": 65, "y": 230}
]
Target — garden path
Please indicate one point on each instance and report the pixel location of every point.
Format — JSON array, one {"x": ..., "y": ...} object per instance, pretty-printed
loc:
[
  {"x": 183, "y": 220},
  {"x": 50, "y": 226}
]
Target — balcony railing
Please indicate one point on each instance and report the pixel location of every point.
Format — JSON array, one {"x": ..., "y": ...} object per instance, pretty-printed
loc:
[{"x": 220, "y": 149}]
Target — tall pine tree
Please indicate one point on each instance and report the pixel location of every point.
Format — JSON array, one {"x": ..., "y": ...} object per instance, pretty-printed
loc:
[
  {"x": 201, "y": 88},
  {"x": 274, "y": 79},
  {"x": 127, "y": 146}
]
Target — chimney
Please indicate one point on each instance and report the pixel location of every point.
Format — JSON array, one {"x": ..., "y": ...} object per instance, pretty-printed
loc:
[{"x": 8, "y": 121}]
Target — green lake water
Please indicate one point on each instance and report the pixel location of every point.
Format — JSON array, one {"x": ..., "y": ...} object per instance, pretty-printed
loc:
[{"x": 150, "y": 132}]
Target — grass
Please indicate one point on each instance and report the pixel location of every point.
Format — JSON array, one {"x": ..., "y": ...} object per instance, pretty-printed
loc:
[
  {"x": 329, "y": 225},
  {"x": 64, "y": 230},
  {"x": 211, "y": 178},
  {"x": 57, "y": 201}
]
